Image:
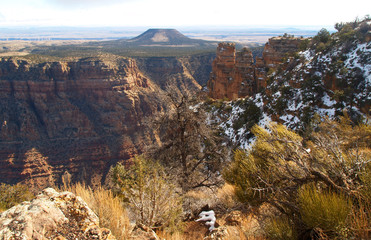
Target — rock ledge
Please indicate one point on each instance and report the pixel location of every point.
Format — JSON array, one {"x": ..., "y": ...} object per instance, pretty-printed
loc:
[{"x": 52, "y": 215}]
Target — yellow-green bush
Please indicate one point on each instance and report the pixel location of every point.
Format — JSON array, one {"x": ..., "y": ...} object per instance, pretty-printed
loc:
[
  {"x": 324, "y": 209},
  {"x": 281, "y": 166}
]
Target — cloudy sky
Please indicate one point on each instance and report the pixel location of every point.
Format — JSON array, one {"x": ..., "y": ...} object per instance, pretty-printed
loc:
[{"x": 171, "y": 13}]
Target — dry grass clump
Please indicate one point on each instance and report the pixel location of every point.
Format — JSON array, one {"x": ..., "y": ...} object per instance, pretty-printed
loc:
[
  {"x": 193, "y": 235},
  {"x": 226, "y": 195},
  {"x": 109, "y": 209}
]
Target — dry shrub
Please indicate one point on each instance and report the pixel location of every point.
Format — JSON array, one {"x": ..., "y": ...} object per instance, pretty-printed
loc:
[
  {"x": 109, "y": 209},
  {"x": 252, "y": 227},
  {"x": 221, "y": 200},
  {"x": 171, "y": 236},
  {"x": 226, "y": 196},
  {"x": 360, "y": 221},
  {"x": 280, "y": 228},
  {"x": 195, "y": 200}
]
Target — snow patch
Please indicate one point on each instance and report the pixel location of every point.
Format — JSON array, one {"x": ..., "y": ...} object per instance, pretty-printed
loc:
[
  {"x": 209, "y": 217},
  {"x": 308, "y": 55},
  {"x": 354, "y": 60},
  {"x": 327, "y": 100}
]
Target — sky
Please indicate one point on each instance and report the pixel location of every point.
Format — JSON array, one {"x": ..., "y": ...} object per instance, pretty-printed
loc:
[{"x": 172, "y": 13}]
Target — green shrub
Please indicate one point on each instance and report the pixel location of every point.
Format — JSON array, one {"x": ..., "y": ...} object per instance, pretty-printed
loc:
[
  {"x": 323, "y": 36},
  {"x": 304, "y": 44},
  {"x": 11, "y": 195},
  {"x": 323, "y": 209},
  {"x": 347, "y": 33},
  {"x": 249, "y": 117},
  {"x": 149, "y": 194},
  {"x": 320, "y": 47}
]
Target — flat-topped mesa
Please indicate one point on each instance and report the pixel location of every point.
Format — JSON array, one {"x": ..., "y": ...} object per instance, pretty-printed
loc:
[{"x": 235, "y": 75}]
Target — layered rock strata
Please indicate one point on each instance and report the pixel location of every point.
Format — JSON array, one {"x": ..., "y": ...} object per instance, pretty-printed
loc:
[
  {"x": 80, "y": 117},
  {"x": 234, "y": 74}
]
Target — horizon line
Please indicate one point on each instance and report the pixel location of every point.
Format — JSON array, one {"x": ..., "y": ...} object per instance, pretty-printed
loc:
[{"x": 169, "y": 26}]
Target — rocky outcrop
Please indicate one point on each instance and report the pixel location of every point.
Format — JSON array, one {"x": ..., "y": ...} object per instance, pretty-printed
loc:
[
  {"x": 234, "y": 74},
  {"x": 52, "y": 215},
  {"x": 277, "y": 48},
  {"x": 323, "y": 80},
  {"x": 80, "y": 117}
]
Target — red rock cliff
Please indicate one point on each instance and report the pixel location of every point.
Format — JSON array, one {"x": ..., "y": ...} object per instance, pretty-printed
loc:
[
  {"x": 76, "y": 118},
  {"x": 234, "y": 74}
]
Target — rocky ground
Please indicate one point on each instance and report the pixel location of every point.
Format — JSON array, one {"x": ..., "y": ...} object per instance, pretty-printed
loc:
[{"x": 52, "y": 215}]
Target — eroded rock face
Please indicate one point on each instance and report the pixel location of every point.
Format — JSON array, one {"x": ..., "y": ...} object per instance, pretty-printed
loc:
[
  {"x": 52, "y": 215},
  {"x": 277, "y": 47},
  {"x": 188, "y": 73},
  {"x": 234, "y": 74},
  {"x": 80, "y": 117}
]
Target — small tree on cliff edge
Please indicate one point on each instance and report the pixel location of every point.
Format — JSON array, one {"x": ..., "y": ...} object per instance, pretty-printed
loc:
[
  {"x": 150, "y": 195},
  {"x": 188, "y": 146}
]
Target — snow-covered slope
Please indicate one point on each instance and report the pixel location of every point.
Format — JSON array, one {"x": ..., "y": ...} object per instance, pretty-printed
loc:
[{"x": 324, "y": 79}]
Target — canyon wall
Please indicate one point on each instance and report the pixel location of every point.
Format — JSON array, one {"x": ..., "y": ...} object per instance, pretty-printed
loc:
[
  {"x": 234, "y": 74},
  {"x": 77, "y": 118}
]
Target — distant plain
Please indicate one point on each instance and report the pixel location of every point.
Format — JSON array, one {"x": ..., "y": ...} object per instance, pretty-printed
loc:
[{"x": 64, "y": 42}]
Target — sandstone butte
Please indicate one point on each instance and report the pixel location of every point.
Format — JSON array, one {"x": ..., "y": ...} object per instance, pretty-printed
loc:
[
  {"x": 77, "y": 118},
  {"x": 234, "y": 74}
]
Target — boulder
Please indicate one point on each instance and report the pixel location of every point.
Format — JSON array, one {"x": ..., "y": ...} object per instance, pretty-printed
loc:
[{"x": 52, "y": 215}]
